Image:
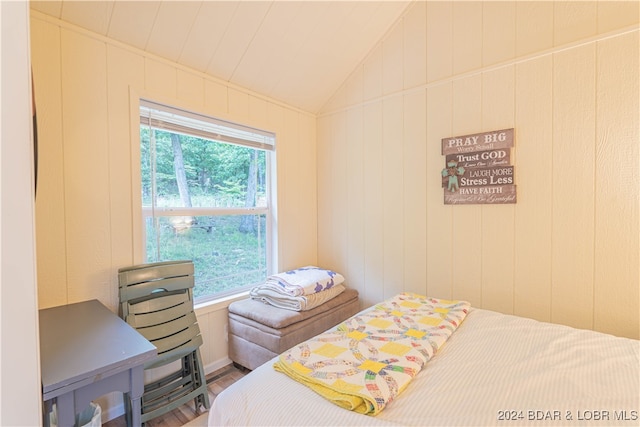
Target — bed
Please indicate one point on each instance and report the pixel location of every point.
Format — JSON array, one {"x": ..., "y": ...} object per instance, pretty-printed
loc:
[{"x": 495, "y": 369}]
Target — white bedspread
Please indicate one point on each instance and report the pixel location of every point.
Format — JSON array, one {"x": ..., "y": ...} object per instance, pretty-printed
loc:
[{"x": 495, "y": 370}]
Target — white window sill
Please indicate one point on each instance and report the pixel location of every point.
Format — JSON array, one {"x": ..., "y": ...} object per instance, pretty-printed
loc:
[{"x": 219, "y": 304}]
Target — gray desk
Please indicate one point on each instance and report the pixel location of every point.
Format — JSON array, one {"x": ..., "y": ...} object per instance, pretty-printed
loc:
[{"x": 85, "y": 352}]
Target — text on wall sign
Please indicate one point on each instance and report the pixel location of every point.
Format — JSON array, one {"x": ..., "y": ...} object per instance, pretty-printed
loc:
[{"x": 478, "y": 170}]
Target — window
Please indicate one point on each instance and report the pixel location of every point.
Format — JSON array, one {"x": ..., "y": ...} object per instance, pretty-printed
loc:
[{"x": 207, "y": 196}]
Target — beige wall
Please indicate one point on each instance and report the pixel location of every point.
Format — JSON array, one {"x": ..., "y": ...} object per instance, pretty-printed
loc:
[
  {"x": 20, "y": 385},
  {"x": 565, "y": 76},
  {"x": 86, "y": 214}
]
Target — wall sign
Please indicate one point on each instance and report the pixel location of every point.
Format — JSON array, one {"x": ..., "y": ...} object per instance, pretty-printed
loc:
[{"x": 477, "y": 169}]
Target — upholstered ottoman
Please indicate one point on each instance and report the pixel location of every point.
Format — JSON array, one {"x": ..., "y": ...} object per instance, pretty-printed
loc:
[{"x": 258, "y": 331}]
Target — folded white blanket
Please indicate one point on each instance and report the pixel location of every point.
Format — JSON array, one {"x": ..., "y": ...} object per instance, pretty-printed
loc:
[
  {"x": 276, "y": 298},
  {"x": 304, "y": 281}
]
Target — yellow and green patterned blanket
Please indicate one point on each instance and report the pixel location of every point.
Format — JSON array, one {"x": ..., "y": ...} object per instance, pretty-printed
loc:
[{"x": 370, "y": 358}]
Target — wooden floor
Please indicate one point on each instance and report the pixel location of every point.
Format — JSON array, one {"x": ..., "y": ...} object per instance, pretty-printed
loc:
[{"x": 216, "y": 382}]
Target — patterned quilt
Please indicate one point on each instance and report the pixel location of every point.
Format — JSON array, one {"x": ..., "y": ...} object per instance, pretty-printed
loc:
[{"x": 369, "y": 359}]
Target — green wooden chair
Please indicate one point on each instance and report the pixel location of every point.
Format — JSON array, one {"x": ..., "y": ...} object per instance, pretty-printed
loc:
[{"x": 157, "y": 300}]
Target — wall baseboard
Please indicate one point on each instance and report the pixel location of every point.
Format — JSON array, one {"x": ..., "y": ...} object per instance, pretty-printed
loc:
[{"x": 214, "y": 366}]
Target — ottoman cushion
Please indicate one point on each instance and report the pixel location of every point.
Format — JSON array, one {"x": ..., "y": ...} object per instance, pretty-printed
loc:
[{"x": 259, "y": 332}]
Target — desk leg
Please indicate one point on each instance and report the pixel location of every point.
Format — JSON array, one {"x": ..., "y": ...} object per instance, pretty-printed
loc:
[
  {"x": 66, "y": 410},
  {"x": 47, "y": 407},
  {"x": 135, "y": 395}
]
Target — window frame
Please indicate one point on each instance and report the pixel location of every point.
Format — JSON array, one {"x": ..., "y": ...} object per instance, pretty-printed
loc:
[{"x": 271, "y": 247}]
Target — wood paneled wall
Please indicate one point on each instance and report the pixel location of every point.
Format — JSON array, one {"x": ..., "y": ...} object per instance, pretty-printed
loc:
[
  {"x": 565, "y": 75},
  {"x": 86, "y": 211}
]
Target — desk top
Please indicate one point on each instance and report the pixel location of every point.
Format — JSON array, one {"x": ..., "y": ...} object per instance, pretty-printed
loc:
[{"x": 84, "y": 342}]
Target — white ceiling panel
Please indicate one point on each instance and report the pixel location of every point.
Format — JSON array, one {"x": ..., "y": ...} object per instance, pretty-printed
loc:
[
  {"x": 298, "y": 52},
  {"x": 208, "y": 29},
  {"x": 132, "y": 21},
  {"x": 301, "y": 33},
  {"x": 51, "y": 8},
  {"x": 270, "y": 49},
  {"x": 243, "y": 27},
  {"x": 171, "y": 28},
  {"x": 94, "y": 17}
]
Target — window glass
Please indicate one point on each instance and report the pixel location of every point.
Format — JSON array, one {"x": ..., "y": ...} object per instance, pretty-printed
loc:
[{"x": 206, "y": 199}]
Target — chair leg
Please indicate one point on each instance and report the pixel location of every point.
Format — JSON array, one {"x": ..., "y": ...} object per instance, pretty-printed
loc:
[{"x": 203, "y": 398}]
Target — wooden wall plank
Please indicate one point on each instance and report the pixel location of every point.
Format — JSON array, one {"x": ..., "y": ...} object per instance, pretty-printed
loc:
[
  {"x": 275, "y": 119},
  {"x": 574, "y": 20},
  {"x": 533, "y": 212},
  {"x": 216, "y": 100},
  {"x": 393, "y": 195},
  {"x": 440, "y": 250},
  {"x": 617, "y": 14},
  {"x": 467, "y": 43},
  {"x": 415, "y": 192},
  {"x": 125, "y": 69},
  {"x": 498, "y": 31},
  {"x": 160, "y": 79},
  {"x": 439, "y": 40},
  {"x": 372, "y": 74},
  {"x": 238, "y": 105},
  {"x": 86, "y": 174},
  {"x": 337, "y": 174},
  {"x": 258, "y": 116},
  {"x": 617, "y": 187},
  {"x": 354, "y": 210},
  {"x": 296, "y": 187},
  {"x": 286, "y": 150},
  {"x": 498, "y": 98},
  {"x": 51, "y": 245},
  {"x": 415, "y": 45},
  {"x": 190, "y": 89},
  {"x": 325, "y": 216},
  {"x": 337, "y": 101},
  {"x": 354, "y": 87},
  {"x": 393, "y": 60},
  {"x": 467, "y": 219},
  {"x": 373, "y": 206},
  {"x": 573, "y": 186},
  {"x": 307, "y": 199},
  {"x": 534, "y": 26}
]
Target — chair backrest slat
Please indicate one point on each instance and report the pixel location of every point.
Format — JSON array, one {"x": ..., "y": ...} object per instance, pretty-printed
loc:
[
  {"x": 158, "y": 310},
  {"x": 146, "y": 289},
  {"x": 142, "y": 281},
  {"x": 145, "y": 272},
  {"x": 171, "y": 355},
  {"x": 187, "y": 338},
  {"x": 166, "y": 329}
]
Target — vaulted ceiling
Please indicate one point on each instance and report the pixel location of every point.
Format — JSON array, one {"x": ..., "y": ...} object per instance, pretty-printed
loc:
[{"x": 298, "y": 52}]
